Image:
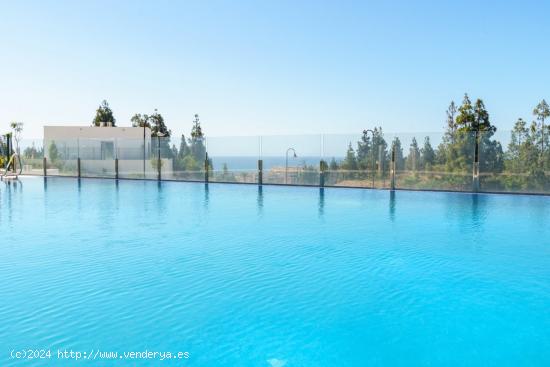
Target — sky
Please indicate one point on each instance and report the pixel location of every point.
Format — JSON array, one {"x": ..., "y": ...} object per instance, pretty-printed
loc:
[{"x": 271, "y": 66}]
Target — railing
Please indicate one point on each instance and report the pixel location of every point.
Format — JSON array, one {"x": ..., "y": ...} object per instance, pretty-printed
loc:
[{"x": 468, "y": 162}]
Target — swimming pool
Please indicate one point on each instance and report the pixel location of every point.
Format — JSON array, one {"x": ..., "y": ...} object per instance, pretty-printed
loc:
[{"x": 239, "y": 275}]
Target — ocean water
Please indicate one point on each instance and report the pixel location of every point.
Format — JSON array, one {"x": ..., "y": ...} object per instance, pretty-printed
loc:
[{"x": 237, "y": 275}]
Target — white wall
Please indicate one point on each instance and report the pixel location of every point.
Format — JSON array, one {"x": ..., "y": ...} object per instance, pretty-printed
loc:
[
  {"x": 94, "y": 132},
  {"x": 89, "y": 142}
]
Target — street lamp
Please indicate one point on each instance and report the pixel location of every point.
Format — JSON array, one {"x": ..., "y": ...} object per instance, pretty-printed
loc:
[{"x": 286, "y": 162}]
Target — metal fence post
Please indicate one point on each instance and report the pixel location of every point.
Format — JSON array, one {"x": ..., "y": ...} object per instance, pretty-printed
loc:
[
  {"x": 475, "y": 173},
  {"x": 116, "y": 168},
  {"x": 44, "y": 166},
  {"x": 392, "y": 169},
  {"x": 159, "y": 162},
  {"x": 206, "y": 166},
  {"x": 260, "y": 172},
  {"x": 78, "y": 167},
  {"x": 322, "y": 168}
]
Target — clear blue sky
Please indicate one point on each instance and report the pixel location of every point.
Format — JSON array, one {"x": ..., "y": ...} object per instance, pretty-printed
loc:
[{"x": 266, "y": 67}]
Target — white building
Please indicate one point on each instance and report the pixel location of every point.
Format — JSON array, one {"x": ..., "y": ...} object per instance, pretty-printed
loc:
[
  {"x": 98, "y": 147},
  {"x": 94, "y": 142}
]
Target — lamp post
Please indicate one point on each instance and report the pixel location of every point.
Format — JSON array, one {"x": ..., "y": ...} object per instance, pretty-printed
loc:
[
  {"x": 373, "y": 158},
  {"x": 286, "y": 162},
  {"x": 159, "y": 135}
]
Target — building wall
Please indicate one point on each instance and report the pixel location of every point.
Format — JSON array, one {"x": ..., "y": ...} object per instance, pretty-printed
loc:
[
  {"x": 95, "y": 132},
  {"x": 96, "y": 143}
]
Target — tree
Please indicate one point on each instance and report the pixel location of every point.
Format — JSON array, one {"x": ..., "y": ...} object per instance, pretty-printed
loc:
[
  {"x": 333, "y": 166},
  {"x": 522, "y": 158},
  {"x": 196, "y": 130},
  {"x": 17, "y": 128},
  {"x": 192, "y": 151},
  {"x": 159, "y": 129},
  {"x": 184, "y": 148},
  {"x": 481, "y": 121},
  {"x": 428, "y": 154},
  {"x": 53, "y": 152},
  {"x": 519, "y": 136},
  {"x": 451, "y": 125},
  {"x": 487, "y": 152},
  {"x": 542, "y": 112},
  {"x": 32, "y": 153},
  {"x": 158, "y": 126},
  {"x": 465, "y": 114},
  {"x": 104, "y": 114},
  {"x": 196, "y": 143},
  {"x": 398, "y": 151},
  {"x": 139, "y": 120},
  {"x": 473, "y": 136},
  {"x": 350, "y": 162},
  {"x": 372, "y": 150},
  {"x": 413, "y": 158}
]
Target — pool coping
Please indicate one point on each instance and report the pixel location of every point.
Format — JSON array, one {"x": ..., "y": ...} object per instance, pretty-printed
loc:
[{"x": 294, "y": 185}]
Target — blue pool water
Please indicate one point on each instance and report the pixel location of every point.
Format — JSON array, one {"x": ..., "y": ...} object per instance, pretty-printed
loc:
[{"x": 284, "y": 276}]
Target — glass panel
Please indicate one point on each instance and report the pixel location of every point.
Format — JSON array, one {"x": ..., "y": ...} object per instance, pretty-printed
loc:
[
  {"x": 188, "y": 158},
  {"x": 32, "y": 153},
  {"x": 62, "y": 157},
  {"x": 292, "y": 160},
  {"x": 97, "y": 157},
  {"x": 436, "y": 161},
  {"x": 356, "y": 160},
  {"x": 233, "y": 159},
  {"x": 514, "y": 161},
  {"x": 131, "y": 162},
  {"x": 163, "y": 151}
]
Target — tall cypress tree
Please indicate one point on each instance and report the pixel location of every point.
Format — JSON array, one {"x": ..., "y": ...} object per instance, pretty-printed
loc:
[
  {"x": 398, "y": 149},
  {"x": 196, "y": 142},
  {"x": 413, "y": 158},
  {"x": 428, "y": 154}
]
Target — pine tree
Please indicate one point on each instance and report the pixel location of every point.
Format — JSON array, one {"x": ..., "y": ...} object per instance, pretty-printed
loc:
[
  {"x": 428, "y": 154},
  {"x": 542, "y": 112},
  {"x": 451, "y": 124},
  {"x": 398, "y": 151},
  {"x": 465, "y": 116},
  {"x": 350, "y": 162},
  {"x": 519, "y": 136},
  {"x": 196, "y": 130},
  {"x": 372, "y": 150},
  {"x": 53, "y": 152},
  {"x": 196, "y": 143},
  {"x": 184, "y": 148},
  {"x": 413, "y": 158},
  {"x": 480, "y": 122}
]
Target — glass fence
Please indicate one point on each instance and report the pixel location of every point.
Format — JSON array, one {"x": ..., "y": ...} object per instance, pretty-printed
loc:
[{"x": 456, "y": 161}]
